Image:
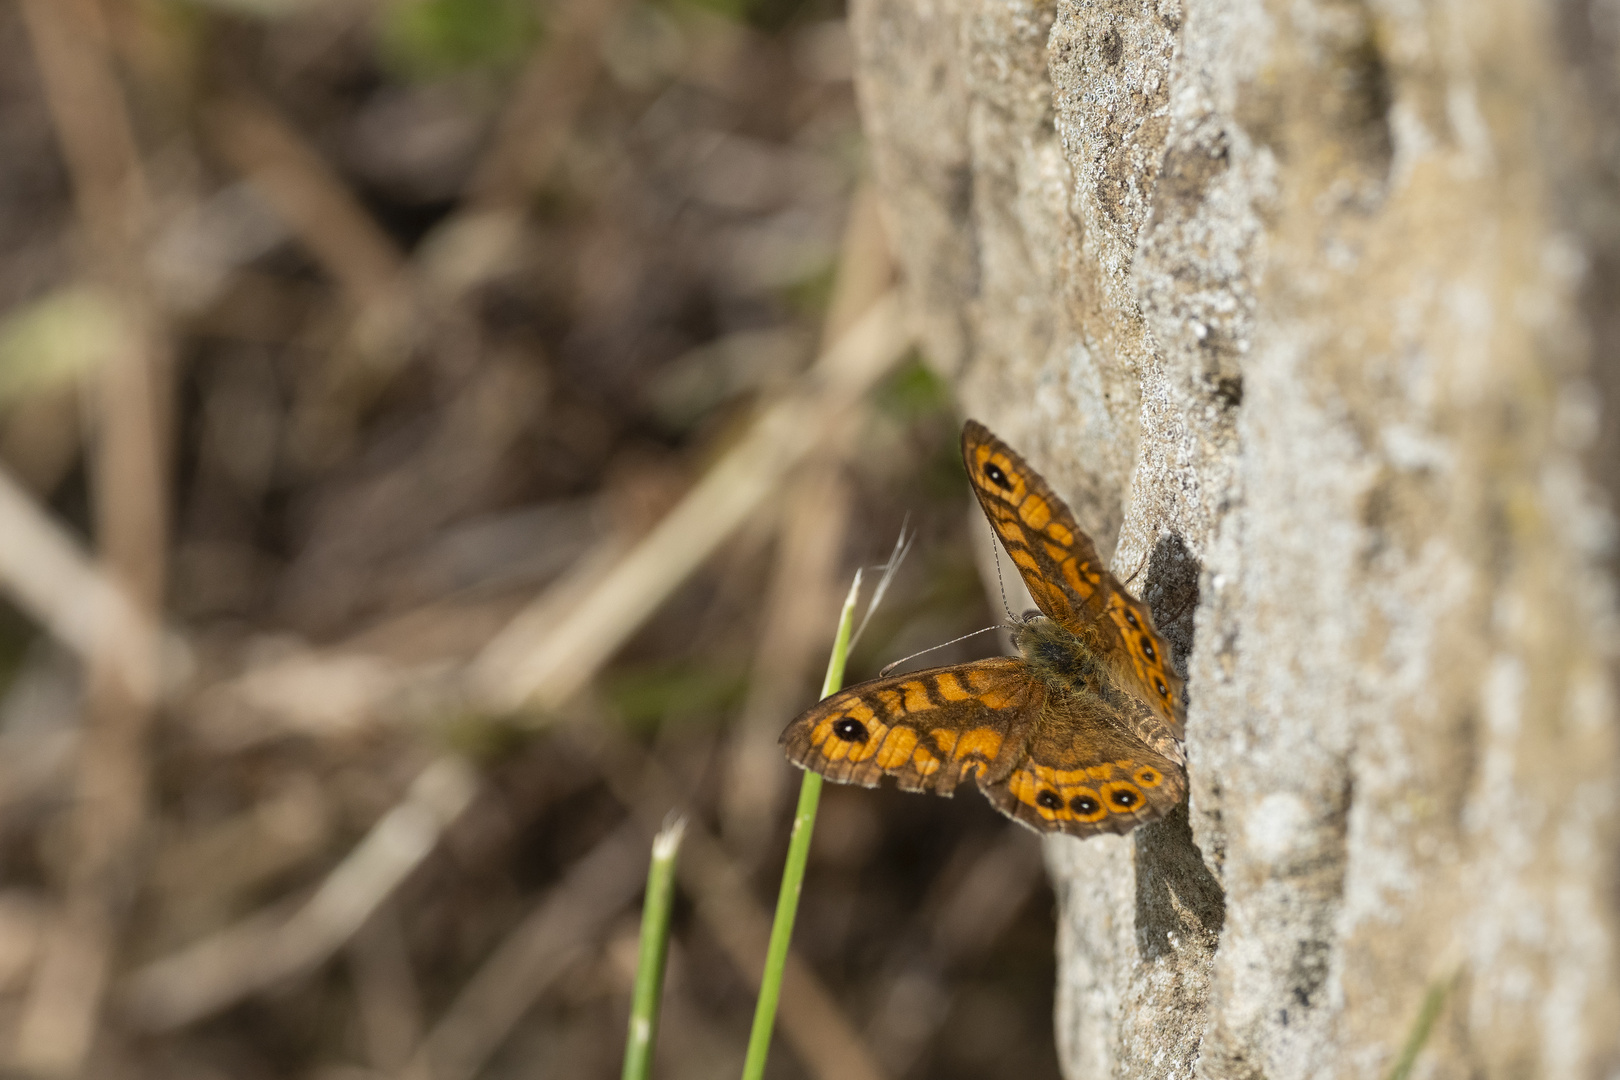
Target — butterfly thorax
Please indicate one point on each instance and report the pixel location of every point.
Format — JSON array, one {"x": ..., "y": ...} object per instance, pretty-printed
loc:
[{"x": 1065, "y": 662}]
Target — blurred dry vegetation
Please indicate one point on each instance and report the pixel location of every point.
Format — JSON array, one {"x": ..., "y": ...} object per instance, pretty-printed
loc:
[{"x": 419, "y": 478}]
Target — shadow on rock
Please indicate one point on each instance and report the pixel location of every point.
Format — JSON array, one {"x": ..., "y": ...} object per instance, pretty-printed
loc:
[{"x": 1178, "y": 900}]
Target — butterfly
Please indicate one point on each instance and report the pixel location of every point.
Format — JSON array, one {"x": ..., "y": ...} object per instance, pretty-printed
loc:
[{"x": 1080, "y": 734}]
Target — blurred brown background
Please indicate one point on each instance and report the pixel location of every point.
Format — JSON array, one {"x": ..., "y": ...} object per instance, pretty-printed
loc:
[{"x": 419, "y": 477}]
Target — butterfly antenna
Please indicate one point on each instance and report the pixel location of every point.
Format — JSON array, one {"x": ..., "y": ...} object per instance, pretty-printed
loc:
[
  {"x": 995, "y": 551},
  {"x": 902, "y": 548},
  {"x": 891, "y": 666}
]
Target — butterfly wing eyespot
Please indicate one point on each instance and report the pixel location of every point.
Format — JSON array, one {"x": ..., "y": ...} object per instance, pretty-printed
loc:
[
  {"x": 849, "y": 730},
  {"x": 1121, "y": 795},
  {"x": 1086, "y": 807}
]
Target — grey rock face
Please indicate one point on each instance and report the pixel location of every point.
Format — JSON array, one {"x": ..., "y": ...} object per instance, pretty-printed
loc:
[{"x": 1314, "y": 307}]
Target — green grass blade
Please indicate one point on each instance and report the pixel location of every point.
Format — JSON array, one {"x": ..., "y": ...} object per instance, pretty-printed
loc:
[
  {"x": 638, "y": 1046},
  {"x": 1428, "y": 1013},
  {"x": 787, "y": 902}
]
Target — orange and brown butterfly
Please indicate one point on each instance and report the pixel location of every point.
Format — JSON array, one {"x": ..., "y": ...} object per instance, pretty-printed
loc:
[{"x": 1080, "y": 734}]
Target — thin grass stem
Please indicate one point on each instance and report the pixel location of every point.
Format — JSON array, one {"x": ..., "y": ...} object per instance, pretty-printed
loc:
[
  {"x": 1422, "y": 1026},
  {"x": 638, "y": 1047},
  {"x": 787, "y": 901}
]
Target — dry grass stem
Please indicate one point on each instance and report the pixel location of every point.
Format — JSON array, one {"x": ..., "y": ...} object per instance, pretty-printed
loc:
[
  {"x": 566, "y": 924},
  {"x": 319, "y": 208},
  {"x": 70, "y": 39},
  {"x": 541, "y": 109},
  {"x": 968, "y": 914},
  {"x": 385, "y": 991},
  {"x": 802, "y": 601},
  {"x": 865, "y": 265},
  {"x": 804, "y": 596},
  {"x": 221, "y": 969},
  {"x": 476, "y": 241},
  {"x": 48, "y": 574},
  {"x": 539, "y": 667},
  {"x": 129, "y": 484}
]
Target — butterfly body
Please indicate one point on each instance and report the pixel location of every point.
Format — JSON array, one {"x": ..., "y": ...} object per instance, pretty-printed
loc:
[
  {"x": 1065, "y": 662},
  {"x": 1081, "y": 733}
]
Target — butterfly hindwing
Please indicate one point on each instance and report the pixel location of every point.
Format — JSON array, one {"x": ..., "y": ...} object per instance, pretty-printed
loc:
[
  {"x": 1143, "y": 653},
  {"x": 1082, "y": 775},
  {"x": 929, "y": 729},
  {"x": 1065, "y": 576}
]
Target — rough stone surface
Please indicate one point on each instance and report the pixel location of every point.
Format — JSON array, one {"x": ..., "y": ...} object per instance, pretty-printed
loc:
[{"x": 1313, "y": 306}]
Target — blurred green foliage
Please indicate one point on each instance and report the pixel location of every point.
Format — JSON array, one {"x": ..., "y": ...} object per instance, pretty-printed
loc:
[
  {"x": 810, "y": 295},
  {"x": 431, "y": 38},
  {"x": 17, "y": 637},
  {"x": 916, "y": 398},
  {"x": 770, "y": 16},
  {"x": 649, "y": 694},
  {"x": 56, "y": 339},
  {"x": 914, "y": 390},
  {"x": 734, "y": 10},
  {"x": 487, "y": 739}
]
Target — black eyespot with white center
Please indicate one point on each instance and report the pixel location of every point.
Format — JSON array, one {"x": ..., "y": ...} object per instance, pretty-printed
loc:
[
  {"x": 1148, "y": 650},
  {"x": 1125, "y": 798},
  {"x": 1049, "y": 800},
  {"x": 1084, "y": 804},
  {"x": 1164, "y": 691},
  {"x": 993, "y": 472},
  {"x": 850, "y": 730},
  {"x": 1130, "y": 617}
]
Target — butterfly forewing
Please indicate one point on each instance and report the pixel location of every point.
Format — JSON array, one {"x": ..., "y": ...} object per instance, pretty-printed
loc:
[
  {"x": 929, "y": 729},
  {"x": 1065, "y": 576},
  {"x": 1056, "y": 559}
]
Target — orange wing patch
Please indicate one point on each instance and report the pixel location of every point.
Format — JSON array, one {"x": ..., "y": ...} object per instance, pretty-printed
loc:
[
  {"x": 897, "y": 748},
  {"x": 949, "y": 688},
  {"x": 984, "y": 743},
  {"x": 916, "y": 698}
]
